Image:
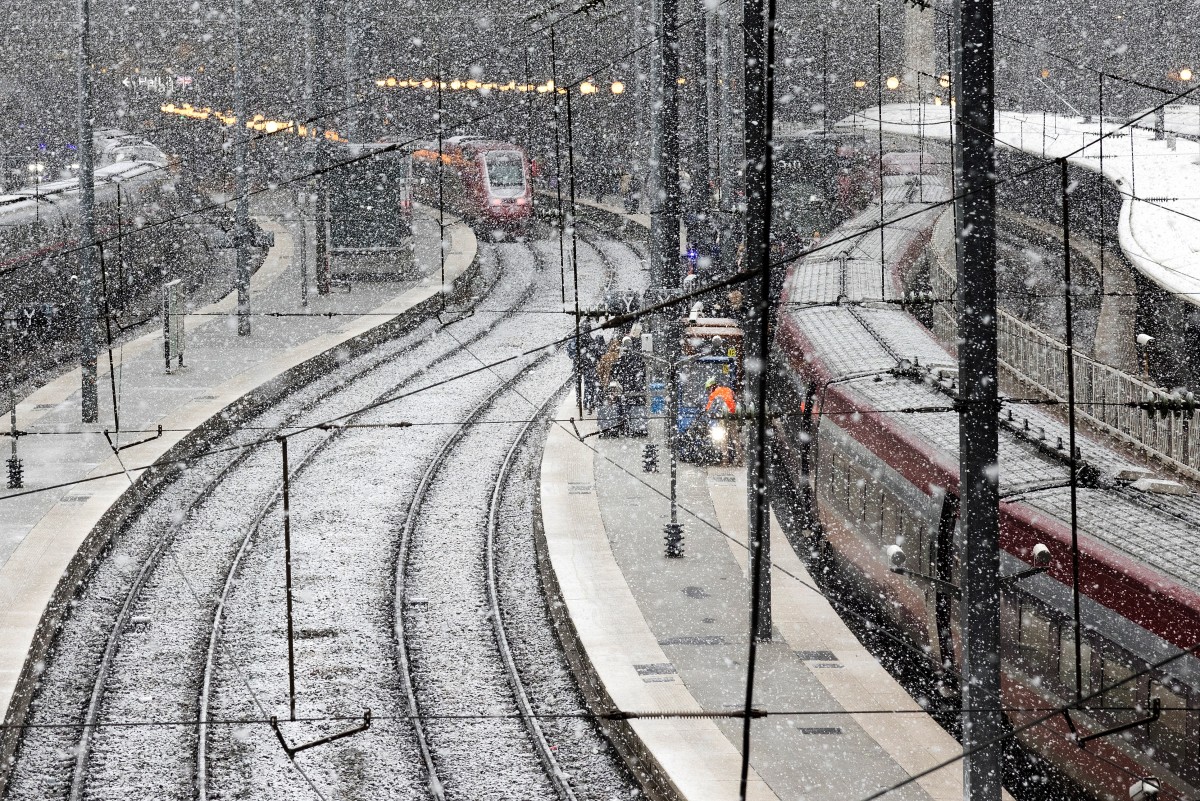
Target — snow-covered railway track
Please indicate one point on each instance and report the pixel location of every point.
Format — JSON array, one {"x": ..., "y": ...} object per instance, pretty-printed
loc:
[
  {"x": 180, "y": 504},
  {"x": 453, "y": 767},
  {"x": 182, "y": 623}
]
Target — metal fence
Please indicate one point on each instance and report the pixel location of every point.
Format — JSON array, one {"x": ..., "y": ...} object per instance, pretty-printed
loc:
[{"x": 1103, "y": 394}]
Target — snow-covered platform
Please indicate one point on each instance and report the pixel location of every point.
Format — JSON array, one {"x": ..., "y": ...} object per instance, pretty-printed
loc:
[
  {"x": 76, "y": 484},
  {"x": 656, "y": 636},
  {"x": 1159, "y": 226}
]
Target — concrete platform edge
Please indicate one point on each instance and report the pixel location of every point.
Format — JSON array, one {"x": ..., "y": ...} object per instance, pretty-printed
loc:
[{"x": 631, "y": 748}]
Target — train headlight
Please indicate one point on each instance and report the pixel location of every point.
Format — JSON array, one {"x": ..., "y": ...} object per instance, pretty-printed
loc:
[{"x": 718, "y": 434}]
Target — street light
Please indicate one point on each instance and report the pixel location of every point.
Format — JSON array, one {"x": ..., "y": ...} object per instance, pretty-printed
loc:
[
  {"x": 37, "y": 168},
  {"x": 893, "y": 82},
  {"x": 617, "y": 87},
  {"x": 1185, "y": 74}
]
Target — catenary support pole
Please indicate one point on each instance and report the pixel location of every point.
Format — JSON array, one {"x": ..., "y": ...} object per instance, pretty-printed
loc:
[
  {"x": 441, "y": 179},
  {"x": 241, "y": 213},
  {"x": 1068, "y": 291},
  {"x": 574, "y": 248},
  {"x": 664, "y": 220},
  {"x": 879, "y": 79},
  {"x": 321, "y": 258},
  {"x": 974, "y": 82},
  {"x": 759, "y": 106},
  {"x": 287, "y": 570},
  {"x": 88, "y": 318},
  {"x": 758, "y": 36}
]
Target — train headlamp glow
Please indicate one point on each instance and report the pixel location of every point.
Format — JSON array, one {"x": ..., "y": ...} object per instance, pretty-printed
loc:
[{"x": 718, "y": 434}]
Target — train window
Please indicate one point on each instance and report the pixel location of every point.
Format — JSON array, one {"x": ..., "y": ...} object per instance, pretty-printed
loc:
[
  {"x": 862, "y": 489},
  {"x": 1066, "y": 659},
  {"x": 1174, "y": 714},
  {"x": 1128, "y": 694},
  {"x": 1035, "y": 637},
  {"x": 890, "y": 529},
  {"x": 914, "y": 543}
]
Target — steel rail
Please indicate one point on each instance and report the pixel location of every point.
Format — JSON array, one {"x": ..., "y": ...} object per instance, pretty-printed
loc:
[
  {"x": 306, "y": 459},
  {"x": 83, "y": 751},
  {"x": 435, "y": 786},
  {"x": 557, "y": 777}
]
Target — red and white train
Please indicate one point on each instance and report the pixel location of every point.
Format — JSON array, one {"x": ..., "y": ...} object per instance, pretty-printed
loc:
[
  {"x": 869, "y": 443},
  {"x": 484, "y": 180}
]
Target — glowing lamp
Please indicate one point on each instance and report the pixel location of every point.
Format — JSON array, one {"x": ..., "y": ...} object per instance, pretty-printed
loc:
[
  {"x": 893, "y": 82},
  {"x": 617, "y": 87}
]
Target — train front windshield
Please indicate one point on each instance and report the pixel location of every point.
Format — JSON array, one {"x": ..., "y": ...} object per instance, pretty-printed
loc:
[{"x": 506, "y": 172}]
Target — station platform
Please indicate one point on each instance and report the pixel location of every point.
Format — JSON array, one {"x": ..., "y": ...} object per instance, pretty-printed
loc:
[
  {"x": 654, "y": 635},
  {"x": 75, "y": 482}
]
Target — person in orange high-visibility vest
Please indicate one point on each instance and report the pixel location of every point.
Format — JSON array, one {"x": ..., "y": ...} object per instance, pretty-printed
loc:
[
  {"x": 722, "y": 403},
  {"x": 719, "y": 392}
]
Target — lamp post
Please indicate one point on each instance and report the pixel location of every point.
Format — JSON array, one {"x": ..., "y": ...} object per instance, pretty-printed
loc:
[
  {"x": 673, "y": 530},
  {"x": 36, "y": 169}
]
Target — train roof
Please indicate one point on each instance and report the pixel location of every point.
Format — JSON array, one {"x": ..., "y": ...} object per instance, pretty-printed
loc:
[{"x": 879, "y": 361}]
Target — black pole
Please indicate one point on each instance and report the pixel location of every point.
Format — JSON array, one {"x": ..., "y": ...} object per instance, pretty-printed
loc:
[
  {"x": 574, "y": 248},
  {"x": 562, "y": 245},
  {"x": 321, "y": 256},
  {"x": 441, "y": 132},
  {"x": 824, "y": 79},
  {"x": 879, "y": 91},
  {"x": 121, "y": 288},
  {"x": 88, "y": 329},
  {"x": 1100, "y": 192},
  {"x": 112, "y": 373},
  {"x": 287, "y": 567},
  {"x": 974, "y": 83},
  {"x": 759, "y": 104},
  {"x": 1070, "y": 335},
  {"x": 664, "y": 219}
]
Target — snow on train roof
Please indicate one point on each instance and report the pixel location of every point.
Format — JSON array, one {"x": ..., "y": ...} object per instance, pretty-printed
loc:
[
  {"x": 850, "y": 265},
  {"x": 1023, "y": 467},
  {"x": 1160, "y": 235},
  {"x": 1161, "y": 534}
]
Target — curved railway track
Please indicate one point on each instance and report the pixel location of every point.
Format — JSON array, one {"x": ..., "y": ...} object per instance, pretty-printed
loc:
[{"x": 210, "y": 641}]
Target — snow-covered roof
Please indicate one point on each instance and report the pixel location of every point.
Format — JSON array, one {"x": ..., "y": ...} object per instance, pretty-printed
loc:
[{"x": 1159, "y": 226}]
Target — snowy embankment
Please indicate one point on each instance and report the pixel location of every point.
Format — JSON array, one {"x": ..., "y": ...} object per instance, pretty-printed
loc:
[{"x": 1159, "y": 227}]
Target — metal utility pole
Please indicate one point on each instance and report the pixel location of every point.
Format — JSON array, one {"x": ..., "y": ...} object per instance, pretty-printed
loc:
[
  {"x": 759, "y": 121},
  {"x": 241, "y": 214},
  {"x": 350, "y": 58},
  {"x": 758, "y": 36},
  {"x": 700, "y": 124},
  {"x": 88, "y": 322},
  {"x": 975, "y": 214},
  {"x": 320, "y": 112},
  {"x": 664, "y": 220},
  {"x": 727, "y": 137}
]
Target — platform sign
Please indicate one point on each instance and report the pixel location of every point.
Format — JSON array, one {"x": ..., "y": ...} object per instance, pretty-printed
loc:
[{"x": 172, "y": 300}]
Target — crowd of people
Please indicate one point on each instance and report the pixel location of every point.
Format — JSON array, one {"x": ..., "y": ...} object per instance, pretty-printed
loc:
[{"x": 615, "y": 389}]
